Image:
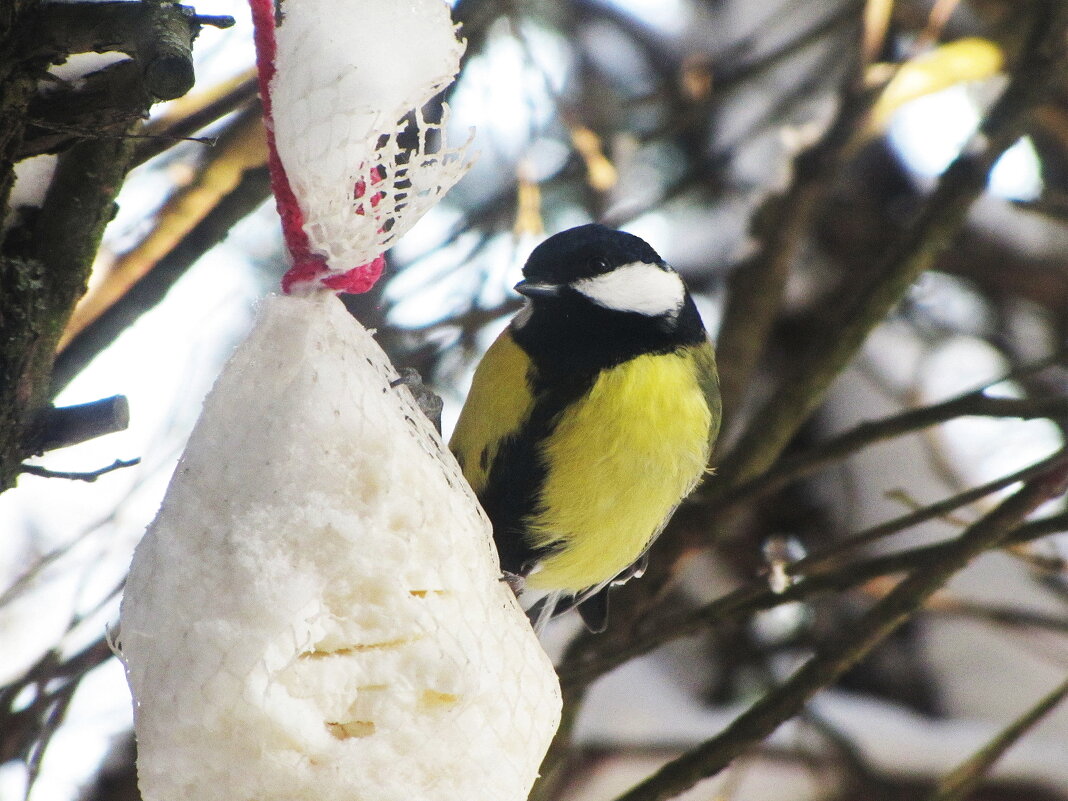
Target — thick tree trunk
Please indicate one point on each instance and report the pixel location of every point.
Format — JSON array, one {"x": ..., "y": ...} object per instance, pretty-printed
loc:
[{"x": 46, "y": 253}]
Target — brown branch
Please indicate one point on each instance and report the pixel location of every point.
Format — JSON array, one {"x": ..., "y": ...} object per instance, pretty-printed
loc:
[
  {"x": 756, "y": 287},
  {"x": 161, "y": 134},
  {"x": 1006, "y": 251},
  {"x": 918, "y": 516},
  {"x": 974, "y": 403},
  {"x": 25, "y": 730},
  {"x": 842, "y": 653},
  {"x": 41, "y": 280},
  {"x": 241, "y": 147},
  {"x": 1009, "y": 616},
  {"x": 108, "y": 101},
  {"x": 105, "y": 102},
  {"x": 250, "y": 192},
  {"x": 588, "y": 658},
  {"x": 45, "y": 258},
  {"x": 966, "y": 777},
  {"x": 159, "y": 36},
  {"x": 776, "y": 422}
]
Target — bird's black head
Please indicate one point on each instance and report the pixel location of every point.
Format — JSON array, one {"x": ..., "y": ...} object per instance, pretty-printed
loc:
[
  {"x": 585, "y": 251},
  {"x": 597, "y": 296}
]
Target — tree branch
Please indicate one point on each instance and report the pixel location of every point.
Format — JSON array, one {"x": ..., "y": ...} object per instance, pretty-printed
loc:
[
  {"x": 42, "y": 279},
  {"x": 161, "y": 134},
  {"x": 68, "y": 425},
  {"x": 922, "y": 515},
  {"x": 251, "y": 191},
  {"x": 588, "y": 659},
  {"x": 45, "y": 260},
  {"x": 1009, "y": 616},
  {"x": 105, "y": 103},
  {"x": 159, "y": 36},
  {"x": 974, "y": 403},
  {"x": 26, "y": 731},
  {"x": 756, "y": 286},
  {"x": 965, "y": 778},
  {"x": 842, "y": 653},
  {"x": 90, "y": 477},
  {"x": 776, "y": 422}
]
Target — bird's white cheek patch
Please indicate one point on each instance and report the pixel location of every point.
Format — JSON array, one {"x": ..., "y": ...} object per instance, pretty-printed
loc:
[{"x": 636, "y": 287}]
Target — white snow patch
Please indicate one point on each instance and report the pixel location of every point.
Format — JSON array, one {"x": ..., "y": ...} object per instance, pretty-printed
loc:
[
  {"x": 77, "y": 65},
  {"x": 33, "y": 176}
]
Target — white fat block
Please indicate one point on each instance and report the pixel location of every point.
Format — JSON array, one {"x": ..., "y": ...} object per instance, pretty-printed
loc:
[
  {"x": 316, "y": 613},
  {"x": 347, "y": 74}
]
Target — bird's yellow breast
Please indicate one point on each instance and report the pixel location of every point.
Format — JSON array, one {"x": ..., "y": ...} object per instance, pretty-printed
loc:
[
  {"x": 619, "y": 459},
  {"x": 497, "y": 405}
]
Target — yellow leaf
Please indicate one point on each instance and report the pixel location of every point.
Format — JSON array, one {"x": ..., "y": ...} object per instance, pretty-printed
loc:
[
  {"x": 968, "y": 59},
  {"x": 601, "y": 173},
  {"x": 528, "y": 204}
]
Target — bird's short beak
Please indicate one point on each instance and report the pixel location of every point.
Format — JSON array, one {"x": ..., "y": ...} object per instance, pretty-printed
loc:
[{"x": 533, "y": 290}]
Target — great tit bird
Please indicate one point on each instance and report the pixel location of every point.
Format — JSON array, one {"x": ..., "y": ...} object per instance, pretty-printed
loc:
[{"x": 590, "y": 418}]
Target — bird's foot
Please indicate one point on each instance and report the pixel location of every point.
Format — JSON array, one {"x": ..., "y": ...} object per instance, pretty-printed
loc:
[
  {"x": 429, "y": 403},
  {"x": 513, "y": 580}
]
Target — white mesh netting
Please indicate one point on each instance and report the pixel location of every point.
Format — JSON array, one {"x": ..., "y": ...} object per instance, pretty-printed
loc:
[
  {"x": 316, "y": 613},
  {"x": 352, "y": 82}
]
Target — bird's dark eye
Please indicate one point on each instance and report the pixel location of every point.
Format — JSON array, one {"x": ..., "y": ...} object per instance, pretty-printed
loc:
[{"x": 598, "y": 264}]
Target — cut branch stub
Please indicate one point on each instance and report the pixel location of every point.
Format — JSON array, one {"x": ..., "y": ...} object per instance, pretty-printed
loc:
[
  {"x": 159, "y": 36},
  {"x": 61, "y": 427}
]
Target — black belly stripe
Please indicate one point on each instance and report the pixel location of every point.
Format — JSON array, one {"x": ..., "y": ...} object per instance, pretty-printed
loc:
[{"x": 515, "y": 481}]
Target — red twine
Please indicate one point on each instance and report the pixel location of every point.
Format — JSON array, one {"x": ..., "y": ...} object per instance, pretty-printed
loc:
[{"x": 308, "y": 266}]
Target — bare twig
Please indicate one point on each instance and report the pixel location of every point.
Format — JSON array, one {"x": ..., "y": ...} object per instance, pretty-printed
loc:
[
  {"x": 91, "y": 476},
  {"x": 25, "y": 731},
  {"x": 1008, "y": 616},
  {"x": 221, "y": 21},
  {"x": 46, "y": 257},
  {"x": 756, "y": 287},
  {"x": 966, "y": 777},
  {"x": 104, "y": 104},
  {"x": 241, "y": 149},
  {"x": 776, "y": 422},
  {"x": 42, "y": 282},
  {"x": 941, "y": 11},
  {"x": 584, "y": 664},
  {"x": 842, "y": 653},
  {"x": 969, "y": 404},
  {"x": 920, "y": 515},
  {"x": 158, "y": 35},
  {"x": 163, "y": 133}
]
